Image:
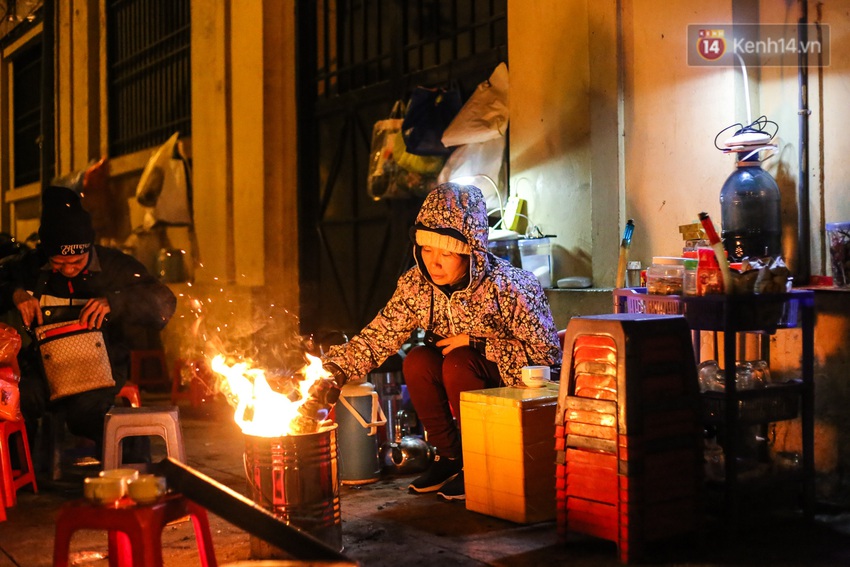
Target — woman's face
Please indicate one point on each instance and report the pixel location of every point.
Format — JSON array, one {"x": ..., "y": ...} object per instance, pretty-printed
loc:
[{"x": 444, "y": 267}]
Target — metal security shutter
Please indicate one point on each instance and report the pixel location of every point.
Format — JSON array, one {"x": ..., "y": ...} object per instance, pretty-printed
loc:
[
  {"x": 356, "y": 58},
  {"x": 148, "y": 72}
]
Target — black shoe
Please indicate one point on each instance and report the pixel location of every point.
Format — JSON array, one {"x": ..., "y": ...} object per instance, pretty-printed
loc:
[
  {"x": 454, "y": 489},
  {"x": 441, "y": 471}
]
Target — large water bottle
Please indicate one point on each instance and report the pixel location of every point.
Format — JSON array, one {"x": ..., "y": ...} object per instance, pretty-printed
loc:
[{"x": 750, "y": 212}]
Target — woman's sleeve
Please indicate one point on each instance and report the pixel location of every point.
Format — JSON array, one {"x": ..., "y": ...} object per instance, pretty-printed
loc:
[{"x": 384, "y": 335}]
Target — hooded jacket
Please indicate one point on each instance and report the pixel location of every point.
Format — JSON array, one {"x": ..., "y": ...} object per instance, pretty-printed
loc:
[{"x": 502, "y": 308}]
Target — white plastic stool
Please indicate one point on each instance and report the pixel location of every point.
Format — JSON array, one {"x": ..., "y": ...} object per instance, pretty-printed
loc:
[{"x": 141, "y": 422}]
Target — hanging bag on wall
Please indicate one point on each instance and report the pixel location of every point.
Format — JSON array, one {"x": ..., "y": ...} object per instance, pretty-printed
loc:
[
  {"x": 380, "y": 183},
  {"x": 395, "y": 172},
  {"x": 428, "y": 114},
  {"x": 74, "y": 359}
]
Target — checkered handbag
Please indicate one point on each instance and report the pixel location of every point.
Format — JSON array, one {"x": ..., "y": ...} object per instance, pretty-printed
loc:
[{"x": 74, "y": 359}]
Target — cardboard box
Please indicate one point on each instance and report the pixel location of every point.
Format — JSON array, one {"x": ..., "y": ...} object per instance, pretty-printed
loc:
[{"x": 509, "y": 452}]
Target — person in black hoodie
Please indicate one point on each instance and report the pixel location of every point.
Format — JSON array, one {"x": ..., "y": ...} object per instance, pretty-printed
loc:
[{"x": 70, "y": 278}]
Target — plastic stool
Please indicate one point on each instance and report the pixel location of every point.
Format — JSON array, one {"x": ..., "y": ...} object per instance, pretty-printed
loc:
[
  {"x": 197, "y": 388},
  {"x": 141, "y": 422},
  {"x": 135, "y": 532},
  {"x": 148, "y": 368},
  {"x": 14, "y": 479},
  {"x": 130, "y": 392}
]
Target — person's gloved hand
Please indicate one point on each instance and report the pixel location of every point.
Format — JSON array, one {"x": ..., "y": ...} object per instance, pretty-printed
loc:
[{"x": 323, "y": 395}]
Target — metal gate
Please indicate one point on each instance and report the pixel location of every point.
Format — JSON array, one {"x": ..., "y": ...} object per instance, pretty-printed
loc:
[{"x": 356, "y": 58}]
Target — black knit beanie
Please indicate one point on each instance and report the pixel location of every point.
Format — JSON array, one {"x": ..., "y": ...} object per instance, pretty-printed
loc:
[{"x": 66, "y": 228}]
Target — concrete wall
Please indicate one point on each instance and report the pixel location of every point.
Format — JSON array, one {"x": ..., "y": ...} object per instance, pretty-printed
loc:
[{"x": 609, "y": 122}]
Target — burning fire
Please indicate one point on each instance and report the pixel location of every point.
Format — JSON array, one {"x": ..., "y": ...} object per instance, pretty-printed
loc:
[{"x": 261, "y": 410}]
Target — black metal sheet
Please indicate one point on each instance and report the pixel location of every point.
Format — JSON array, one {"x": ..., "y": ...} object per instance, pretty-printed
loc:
[{"x": 244, "y": 513}]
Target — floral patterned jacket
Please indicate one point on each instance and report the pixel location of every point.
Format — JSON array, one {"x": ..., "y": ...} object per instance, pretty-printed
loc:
[{"x": 503, "y": 309}]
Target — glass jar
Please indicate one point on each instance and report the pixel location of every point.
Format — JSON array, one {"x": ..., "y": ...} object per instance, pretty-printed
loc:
[{"x": 665, "y": 275}]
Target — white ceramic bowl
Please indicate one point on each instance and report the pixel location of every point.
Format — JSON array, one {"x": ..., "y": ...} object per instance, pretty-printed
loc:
[
  {"x": 146, "y": 488},
  {"x": 535, "y": 376},
  {"x": 103, "y": 490},
  {"x": 121, "y": 475}
]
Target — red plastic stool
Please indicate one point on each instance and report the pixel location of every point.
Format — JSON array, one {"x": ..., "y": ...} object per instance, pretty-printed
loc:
[
  {"x": 130, "y": 392},
  {"x": 14, "y": 479},
  {"x": 198, "y": 379},
  {"x": 148, "y": 368},
  {"x": 135, "y": 532}
]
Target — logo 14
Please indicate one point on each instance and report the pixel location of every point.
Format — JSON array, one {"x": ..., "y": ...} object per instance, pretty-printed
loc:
[{"x": 711, "y": 44}]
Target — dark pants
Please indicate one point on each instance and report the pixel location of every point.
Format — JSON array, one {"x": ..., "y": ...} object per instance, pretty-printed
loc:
[{"x": 435, "y": 382}]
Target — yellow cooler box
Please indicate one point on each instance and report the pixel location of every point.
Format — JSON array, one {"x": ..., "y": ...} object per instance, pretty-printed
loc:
[{"x": 509, "y": 452}]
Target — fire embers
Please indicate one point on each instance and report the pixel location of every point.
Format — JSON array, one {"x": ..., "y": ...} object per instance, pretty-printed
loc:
[{"x": 323, "y": 394}]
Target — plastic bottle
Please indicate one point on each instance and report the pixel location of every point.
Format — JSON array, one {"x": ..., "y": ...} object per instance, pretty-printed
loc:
[
  {"x": 689, "y": 280},
  {"x": 750, "y": 212}
]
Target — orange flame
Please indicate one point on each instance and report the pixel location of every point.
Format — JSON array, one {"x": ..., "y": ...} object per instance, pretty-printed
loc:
[{"x": 259, "y": 409}]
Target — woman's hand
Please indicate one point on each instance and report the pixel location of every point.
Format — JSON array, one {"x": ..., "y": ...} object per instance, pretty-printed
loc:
[
  {"x": 28, "y": 306},
  {"x": 94, "y": 312},
  {"x": 448, "y": 344}
]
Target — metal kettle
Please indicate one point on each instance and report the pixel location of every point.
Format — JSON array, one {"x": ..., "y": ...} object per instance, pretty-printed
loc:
[{"x": 407, "y": 453}]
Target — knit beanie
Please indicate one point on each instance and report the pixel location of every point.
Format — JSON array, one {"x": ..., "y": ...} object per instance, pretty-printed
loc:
[
  {"x": 66, "y": 228},
  {"x": 441, "y": 241}
]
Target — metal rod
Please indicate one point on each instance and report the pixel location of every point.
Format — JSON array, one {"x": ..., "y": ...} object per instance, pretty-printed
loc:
[{"x": 804, "y": 260}]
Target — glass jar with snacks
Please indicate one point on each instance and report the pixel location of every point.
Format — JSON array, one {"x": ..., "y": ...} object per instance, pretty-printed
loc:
[{"x": 665, "y": 275}]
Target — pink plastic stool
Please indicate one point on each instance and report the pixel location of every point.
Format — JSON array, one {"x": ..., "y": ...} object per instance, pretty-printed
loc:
[
  {"x": 130, "y": 392},
  {"x": 135, "y": 532},
  {"x": 14, "y": 479}
]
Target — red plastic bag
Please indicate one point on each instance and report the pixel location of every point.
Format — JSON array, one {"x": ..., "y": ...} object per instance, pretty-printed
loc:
[{"x": 10, "y": 374}]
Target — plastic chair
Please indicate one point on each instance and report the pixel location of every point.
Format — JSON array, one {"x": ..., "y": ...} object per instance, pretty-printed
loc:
[
  {"x": 134, "y": 532},
  {"x": 14, "y": 479},
  {"x": 141, "y": 422}
]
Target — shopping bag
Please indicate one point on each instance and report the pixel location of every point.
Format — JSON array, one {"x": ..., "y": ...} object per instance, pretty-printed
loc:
[
  {"x": 428, "y": 114},
  {"x": 164, "y": 188},
  {"x": 481, "y": 164},
  {"x": 383, "y": 169},
  {"x": 10, "y": 374},
  {"x": 484, "y": 116},
  {"x": 10, "y": 398},
  {"x": 74, "y": 359},
  {"x": 394, "y": 171}
]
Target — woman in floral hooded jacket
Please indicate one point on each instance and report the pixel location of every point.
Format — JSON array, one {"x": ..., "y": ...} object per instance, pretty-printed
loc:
[{"x": 489, "y": 318}]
